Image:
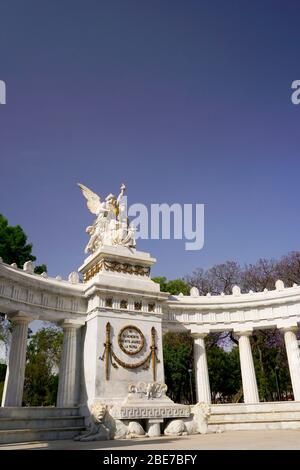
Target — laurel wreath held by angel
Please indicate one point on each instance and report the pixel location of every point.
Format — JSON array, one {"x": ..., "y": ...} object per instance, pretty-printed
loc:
[{"x": 111, "y": 226}]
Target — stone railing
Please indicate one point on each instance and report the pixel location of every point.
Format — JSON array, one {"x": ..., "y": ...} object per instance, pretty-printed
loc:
[
  {"x": 276, "y": 308},
  {"x": 43, "y": 297}
]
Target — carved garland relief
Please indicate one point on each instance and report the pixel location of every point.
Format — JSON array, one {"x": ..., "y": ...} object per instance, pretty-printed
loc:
[{"x": 130, "y": 348}]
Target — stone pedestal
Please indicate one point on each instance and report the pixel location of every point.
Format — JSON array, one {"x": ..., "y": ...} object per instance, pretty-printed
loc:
[
  {"x": 153, "y": 427},
  {"x": 247, "y": 368},
  {"x": 68, "y": 393},
  {"x": 14, "y": 379},
  {"x": 123, "y": 338},
  {"x": 148, "y": 401},
  {"x": 201, "y": 370},
  {"x": 293, "y": 355}
]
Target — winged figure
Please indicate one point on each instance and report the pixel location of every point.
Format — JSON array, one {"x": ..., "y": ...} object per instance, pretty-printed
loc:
[{"x": 111, "y": 226}]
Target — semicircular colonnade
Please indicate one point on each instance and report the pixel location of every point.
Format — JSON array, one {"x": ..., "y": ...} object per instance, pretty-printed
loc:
[{"x": 25, "y": 296}]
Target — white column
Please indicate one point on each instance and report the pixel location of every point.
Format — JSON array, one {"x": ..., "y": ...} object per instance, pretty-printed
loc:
[
  {"x": 15, "y": 373},
  {"x": 293, "y": 355},
  {"x": 67, "y": 394},
  {"x": 247, "y": 368},
  {"x": 201, "y": 369}
]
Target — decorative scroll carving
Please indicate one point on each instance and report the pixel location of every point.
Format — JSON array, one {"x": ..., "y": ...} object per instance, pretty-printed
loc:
[
  {"x": 147, "y": 391},
  {"x": 115, "y": 266},
  {"x": 110, "y": 357}
]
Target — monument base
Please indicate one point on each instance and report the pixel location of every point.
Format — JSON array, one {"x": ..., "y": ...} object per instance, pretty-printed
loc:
[{"x": 149, "y": 402}]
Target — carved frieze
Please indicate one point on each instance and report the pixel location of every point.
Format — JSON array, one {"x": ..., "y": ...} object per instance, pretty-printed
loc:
[
  {"x": 115, "y": 266},
  {"x": 33, "y": 296},
  {"x": 144, "y": 411}
]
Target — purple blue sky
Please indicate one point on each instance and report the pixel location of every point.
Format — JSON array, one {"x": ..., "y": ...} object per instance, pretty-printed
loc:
[{"x": 184, "y": 101}]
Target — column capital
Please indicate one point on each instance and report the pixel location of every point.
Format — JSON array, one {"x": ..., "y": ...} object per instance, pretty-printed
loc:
[
  {"x": 70, "y": 323},
  {"x": 284, "y": 328},
  {"x": 21, "y": 317},
  {"x": 243, "y": 333},
  {"x": 199, "y": 334}
]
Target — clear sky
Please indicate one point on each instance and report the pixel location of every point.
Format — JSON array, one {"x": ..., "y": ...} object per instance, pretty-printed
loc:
[{"x": 184, "y": 101}]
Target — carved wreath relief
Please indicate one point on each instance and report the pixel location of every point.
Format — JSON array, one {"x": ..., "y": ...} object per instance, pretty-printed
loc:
[{"x": 131, "y": 340}]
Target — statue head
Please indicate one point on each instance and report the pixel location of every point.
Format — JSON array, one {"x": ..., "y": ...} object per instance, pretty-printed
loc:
[
  {"x": 111, "y": 201},
  {"x": 201, "y": 410},
  {"x": 98, "y": 411},
  {"x": 110, "y": 198}
]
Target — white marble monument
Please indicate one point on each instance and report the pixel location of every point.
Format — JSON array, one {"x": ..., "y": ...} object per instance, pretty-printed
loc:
[{"x": 122, "y": 343}]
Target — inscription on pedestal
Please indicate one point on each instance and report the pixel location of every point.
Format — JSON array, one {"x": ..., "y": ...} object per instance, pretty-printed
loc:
[{"x": 131, "y": 340}]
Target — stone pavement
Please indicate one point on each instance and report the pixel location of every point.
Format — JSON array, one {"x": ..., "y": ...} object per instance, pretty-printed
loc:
[{"x": 237, "y": 440}]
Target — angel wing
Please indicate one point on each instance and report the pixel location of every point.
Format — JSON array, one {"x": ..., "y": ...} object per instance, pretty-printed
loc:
[{"x": 93, "y": 200}]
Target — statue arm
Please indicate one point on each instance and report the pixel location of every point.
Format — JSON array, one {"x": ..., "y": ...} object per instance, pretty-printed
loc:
[{"x": 122, "y": 192}]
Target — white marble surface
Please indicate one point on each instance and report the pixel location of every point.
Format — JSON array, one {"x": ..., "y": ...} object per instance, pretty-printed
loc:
[
  {"x": 14, "y": 379},
  {"x": 247, "y": 369},
  {"x": 201, "y": 370}
]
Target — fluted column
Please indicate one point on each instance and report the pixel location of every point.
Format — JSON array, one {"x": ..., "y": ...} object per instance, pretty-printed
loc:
[
  {"x": 293, "y": 355},
  {"x": 201, "y": 370},
  {"x": 15, "y": 373},
  {"x": 67, "y": 394},
  {"x": 247, "y": 368}
]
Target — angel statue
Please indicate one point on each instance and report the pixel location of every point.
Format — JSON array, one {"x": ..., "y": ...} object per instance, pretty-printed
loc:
[{"x": 111, "y": 226}]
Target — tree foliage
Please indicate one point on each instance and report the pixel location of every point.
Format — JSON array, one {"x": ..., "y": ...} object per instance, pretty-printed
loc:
[
  {"x": 256, "y": 277},
  {"x": 13, "y": 244},
  {"x": 271, "y": 365},
  {"x": 224, "y": 371},
  {"x": 174, "y": 287},
  {"x": 41, "y": 374},
  {"x": 14, "y": 249},
  {"x": 270, "y": 362},
  {"x": 178, "y": 360}
]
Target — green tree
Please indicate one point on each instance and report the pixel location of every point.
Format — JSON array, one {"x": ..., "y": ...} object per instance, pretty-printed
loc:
[
  {"x": 174, "y": 287},
  {"x": 224, "y": 373},
  {"x": 13, "y": 245},
  {"x": 178, "y": 360},
  {"x": 41, "y": 374},
  {"x": 14, "y": 249},
  {"x": 271, "y": 365},
  {"x": 224, "y": 368},
  {"x": 162, "y": 281}
]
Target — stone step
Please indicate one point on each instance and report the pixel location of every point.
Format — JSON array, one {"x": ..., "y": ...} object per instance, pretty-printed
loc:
[
  {"x": 241, "y": 416},
  {"x": 36, "y": 412},
  {"x": 263, "y": 418},
  {"x": 41, "y": 423},
  {"x": 257, "y": 425},
  {"x": 8, "y": 436},
  {"x": 255, "y": 407}
]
